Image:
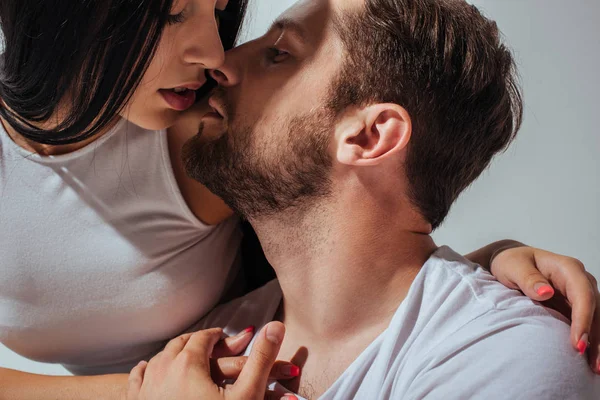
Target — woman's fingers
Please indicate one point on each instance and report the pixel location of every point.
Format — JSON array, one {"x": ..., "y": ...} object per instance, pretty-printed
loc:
[
  {"x": 230, "y": 346},
  {"x": 569, "y": 277},
  {"x": 136, "y": 378},
  {"x": 594, "y": 337},
  {"x": 227, "y": 368},
  {"x": 175, "y": 345},
  {"x": 230, "y": 368},
  {"x": 516, "y": 268},
  {"x": 199, "y": 347},
  {"x": 539, "y": 273},
  {"x": 253, "y": 379},
  {"x": 280, "y": 395},
  {"x": 234, "y": 345}
]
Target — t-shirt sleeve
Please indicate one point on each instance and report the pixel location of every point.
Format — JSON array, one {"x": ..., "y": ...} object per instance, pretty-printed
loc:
[{"x": 499, "y": 356}]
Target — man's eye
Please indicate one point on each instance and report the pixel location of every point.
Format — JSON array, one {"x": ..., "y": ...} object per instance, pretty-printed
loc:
[
  {"x": 276, "y": 56},
  {"x": 176, "y": 18}
]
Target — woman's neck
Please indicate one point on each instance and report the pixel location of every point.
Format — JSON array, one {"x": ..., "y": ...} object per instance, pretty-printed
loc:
[{"x": 52, "y": 150}]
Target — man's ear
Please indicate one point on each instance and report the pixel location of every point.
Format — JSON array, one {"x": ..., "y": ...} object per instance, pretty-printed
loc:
[{"x": 374, "y": 134}]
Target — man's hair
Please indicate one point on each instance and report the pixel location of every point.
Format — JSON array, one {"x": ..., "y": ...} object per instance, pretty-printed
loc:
[{"x": 443, "y": 61}]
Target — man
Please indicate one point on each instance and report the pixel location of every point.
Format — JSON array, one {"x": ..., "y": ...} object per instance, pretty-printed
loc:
[{"x": 349, "y": 129}]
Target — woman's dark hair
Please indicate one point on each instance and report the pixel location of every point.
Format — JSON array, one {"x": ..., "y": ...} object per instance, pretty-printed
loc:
[{"x": 94, "y": 51}]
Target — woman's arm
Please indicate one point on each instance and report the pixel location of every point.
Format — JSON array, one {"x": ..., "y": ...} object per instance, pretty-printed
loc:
[
  {"x": 485, "y": 255},
  {"x": 225, "y": 365},
  {"x": 16, "y": 385},
  {"x": 538, "y": 273}
]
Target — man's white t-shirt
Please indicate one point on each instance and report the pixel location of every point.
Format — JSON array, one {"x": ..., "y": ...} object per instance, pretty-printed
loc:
[{"x": 459, "y": 334}]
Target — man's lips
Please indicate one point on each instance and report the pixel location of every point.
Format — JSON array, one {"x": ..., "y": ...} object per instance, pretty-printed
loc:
[{"x": 217, "y": 108}]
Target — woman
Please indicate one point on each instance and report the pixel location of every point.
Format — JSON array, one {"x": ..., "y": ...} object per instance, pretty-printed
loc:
[{"x": 107, "y": 250}]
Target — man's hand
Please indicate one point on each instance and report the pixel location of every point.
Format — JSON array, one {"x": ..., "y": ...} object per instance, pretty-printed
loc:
[
  {"x": 537, "y": 273},
  {"x": 190, "y": 365}
]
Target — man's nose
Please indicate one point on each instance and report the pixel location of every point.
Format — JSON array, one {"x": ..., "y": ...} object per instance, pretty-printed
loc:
[{"x": 228, "y": 74}]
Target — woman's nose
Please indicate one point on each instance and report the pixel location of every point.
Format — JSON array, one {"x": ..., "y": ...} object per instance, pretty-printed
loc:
[{"x": 205, "y": 48}]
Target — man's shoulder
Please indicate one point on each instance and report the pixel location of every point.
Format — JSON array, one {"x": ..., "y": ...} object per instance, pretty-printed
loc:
[
  {"x": 485, "y": 340},
  {"x": 517, "y": 356},
  {"x": 256, "y": 308},
  {"x": 467, "y": 291},
  {"x": 479, "y": 310}
]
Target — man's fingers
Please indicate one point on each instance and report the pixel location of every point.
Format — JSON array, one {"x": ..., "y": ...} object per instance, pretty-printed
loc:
[
  {"x": 253, "y": 378},
  {"x": 230, "y": 368},
  {"x": 234, "y": 345},
  {"x": 136, "y": 378}
]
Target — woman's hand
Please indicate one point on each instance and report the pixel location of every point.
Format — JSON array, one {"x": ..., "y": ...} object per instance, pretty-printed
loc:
[
  {"x": 189, "y": 366},
  {"x": 538, "y": 273}
]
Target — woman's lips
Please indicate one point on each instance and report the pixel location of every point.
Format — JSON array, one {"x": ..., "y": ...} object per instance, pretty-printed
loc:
[{"x": 179, "y": 101}]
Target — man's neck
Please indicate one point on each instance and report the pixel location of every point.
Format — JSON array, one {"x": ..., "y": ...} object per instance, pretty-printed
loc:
[{"x": 343, "y": 270}]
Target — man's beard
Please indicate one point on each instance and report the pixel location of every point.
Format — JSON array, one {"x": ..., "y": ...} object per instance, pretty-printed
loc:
[{"x": 255, "y": 181}]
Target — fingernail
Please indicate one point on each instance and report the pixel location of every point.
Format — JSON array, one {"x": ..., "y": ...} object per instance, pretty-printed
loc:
[
  {"x": 290, "y": 370},
  {"x": 274, "y": 333},
  {"x": 289, "y": 397},
  {"x": 543, "y": 289},
  {"x": 249, "y": 329},
  {"x": 583, "y": 343}
]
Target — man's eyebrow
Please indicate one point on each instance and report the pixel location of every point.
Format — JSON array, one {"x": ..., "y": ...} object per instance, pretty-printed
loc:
[{"x": 290, "y": 25}]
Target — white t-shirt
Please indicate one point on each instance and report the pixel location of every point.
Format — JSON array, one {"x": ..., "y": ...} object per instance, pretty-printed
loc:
[
  {"x": 459, "y": 334},
  {"x": 101, "y": 260}
]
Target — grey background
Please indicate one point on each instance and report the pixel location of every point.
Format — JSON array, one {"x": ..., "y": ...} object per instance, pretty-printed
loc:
[{"x": 545, "y": 190}]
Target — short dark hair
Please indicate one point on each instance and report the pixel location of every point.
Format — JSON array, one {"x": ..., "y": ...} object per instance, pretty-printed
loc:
[
  {"x": 98, "y": 50},
  {"x": 444, "y": 62}
]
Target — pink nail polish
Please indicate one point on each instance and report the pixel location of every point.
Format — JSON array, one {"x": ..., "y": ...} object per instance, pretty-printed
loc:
[
  {"x": 545, "y": 290},
  {"x": 582, "y": 344},
  {"x": 292, "y": 371},
  {"x": 249, "y": 329}
]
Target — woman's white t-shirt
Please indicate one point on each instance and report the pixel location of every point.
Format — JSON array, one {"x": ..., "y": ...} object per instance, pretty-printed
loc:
[{"x": 101, "y": 260}]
